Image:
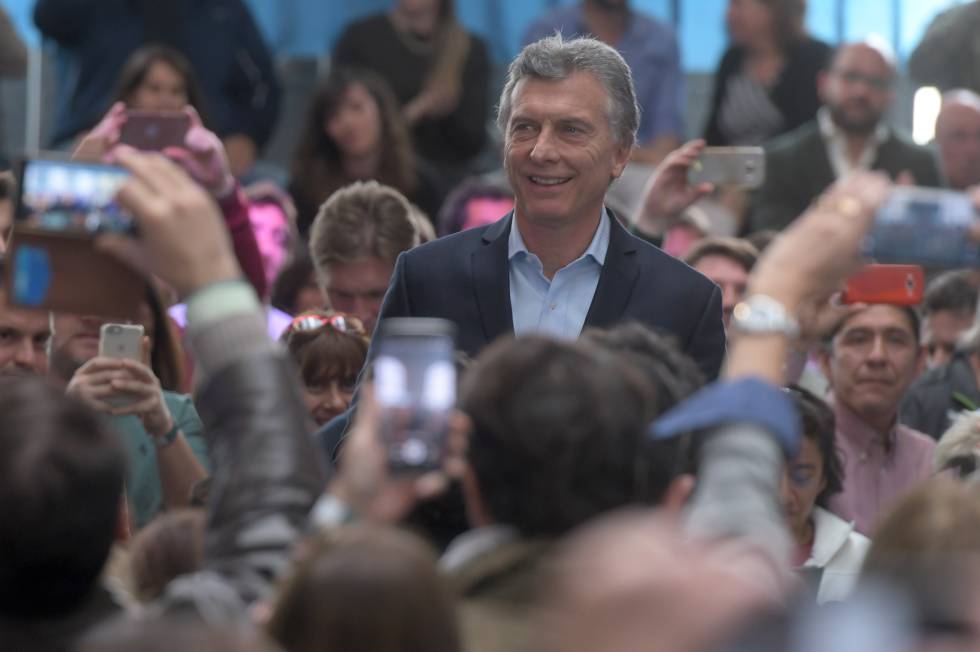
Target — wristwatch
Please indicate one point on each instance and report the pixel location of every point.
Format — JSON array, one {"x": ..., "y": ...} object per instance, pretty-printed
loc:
[{"x": 762, "y": 315}]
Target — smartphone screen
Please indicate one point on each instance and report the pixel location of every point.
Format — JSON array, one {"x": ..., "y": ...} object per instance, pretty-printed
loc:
[
  {"x": 154, "y": 130},
  {"x": 415, "y": 386},
  {"x": 72, "y": 197},
  {"x": 924, "y": 226}
]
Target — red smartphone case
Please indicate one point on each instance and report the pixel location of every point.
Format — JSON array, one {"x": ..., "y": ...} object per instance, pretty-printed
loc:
[{"x": 898, "y": 285}]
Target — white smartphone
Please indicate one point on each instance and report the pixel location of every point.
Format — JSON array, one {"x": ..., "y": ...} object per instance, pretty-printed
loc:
[
  {"x": 121, "y": 341},
  {"x": 729, "y": 166}
]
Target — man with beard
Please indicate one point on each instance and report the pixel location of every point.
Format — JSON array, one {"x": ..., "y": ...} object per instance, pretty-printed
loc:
[{"x": 849, "y": 133}]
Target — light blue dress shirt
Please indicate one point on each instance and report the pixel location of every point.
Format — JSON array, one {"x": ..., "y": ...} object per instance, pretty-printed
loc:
[{"x": 557, "y": 307}]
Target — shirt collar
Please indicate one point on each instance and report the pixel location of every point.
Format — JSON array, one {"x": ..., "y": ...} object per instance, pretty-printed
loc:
[
  {"x": 596, "y": 250},
  {"x": 853, "y": 428},
  {"x": 830, "y": 131}
]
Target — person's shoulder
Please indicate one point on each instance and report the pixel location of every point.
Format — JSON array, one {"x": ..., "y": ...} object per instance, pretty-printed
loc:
[
  {"x": 811, "y": 47},
  {"x": 930, "y": 379},
  {"x": 454, "y": 244},
  {"x": 917, "y": 441},
  {"x": 651, "y": 26},
  {"x": 668, "y": 269},
  {"x": 792, "y": 141}
]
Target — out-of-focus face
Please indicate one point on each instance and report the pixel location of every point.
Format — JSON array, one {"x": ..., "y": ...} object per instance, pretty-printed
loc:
[
  {"x": 803, "y": 480},
  {"x": 358, "y": 287},
  {"x": 24, "y": 336},
  {"x": 271, "y": 228},
  {"x": 75, "y": 341},
  {"x": 356, "y": 124},
  {"x": 958, "y": 138},
  {"x": 326, "y": 401},
  {"x": 874, "y": 359},
  {"x": 730, "y": 276},
  {"x": 858, "y": 88},
  {"x": 310, "y": 296},
  {"x": 940, "y": 331},
  {"x": 421, "y": 16},
  {"x": 163, "y": 89},
  {"x": 748, "y": 20},
  {"x": 559, "y": 150}
]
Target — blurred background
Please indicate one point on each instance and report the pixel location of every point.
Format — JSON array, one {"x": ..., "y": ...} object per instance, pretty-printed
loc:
[{"x": 302, "y": 33}]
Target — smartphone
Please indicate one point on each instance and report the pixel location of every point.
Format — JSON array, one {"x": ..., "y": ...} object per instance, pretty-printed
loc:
[
  {"x": 415, "y": 386},
  {"x": 924, "y": 226},
  {"x": 729, "y": 166},
  {"x": 154, "y": 130},
  {"x": 121, "y": 341},
  {"x": 897, "y": 285},
  {"x": 62, "y": 196}
]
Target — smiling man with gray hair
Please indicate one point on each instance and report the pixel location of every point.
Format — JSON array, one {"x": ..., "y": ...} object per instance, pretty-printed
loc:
[{"x": 561, "y": 261}]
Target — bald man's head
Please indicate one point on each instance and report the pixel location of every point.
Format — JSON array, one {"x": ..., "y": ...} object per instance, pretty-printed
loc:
[
  {"x": 958, "y": 138},
  {"x": 859, "y": 86}
]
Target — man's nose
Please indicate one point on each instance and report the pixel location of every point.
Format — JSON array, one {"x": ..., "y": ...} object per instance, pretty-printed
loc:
[{"x": 545, "y": 147}]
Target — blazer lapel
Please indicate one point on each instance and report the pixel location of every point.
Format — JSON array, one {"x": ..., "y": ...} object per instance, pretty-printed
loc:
[
  {"x": 491, "y": 280},
  {"x": 617, "y": 279}
]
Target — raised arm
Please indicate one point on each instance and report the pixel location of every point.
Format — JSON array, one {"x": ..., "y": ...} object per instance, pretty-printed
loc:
[{"x": 266, "y": 476}]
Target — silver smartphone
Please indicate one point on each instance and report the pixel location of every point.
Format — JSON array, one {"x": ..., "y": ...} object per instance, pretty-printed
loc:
[
  {"x": 744, "y": 167},
  {"x": 121, "y": 341}
]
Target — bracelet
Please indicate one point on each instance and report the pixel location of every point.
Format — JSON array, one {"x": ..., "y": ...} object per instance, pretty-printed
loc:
[{"x": 167, "y": 439}]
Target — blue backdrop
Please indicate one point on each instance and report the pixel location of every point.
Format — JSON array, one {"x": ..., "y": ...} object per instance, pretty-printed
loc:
[{"x": 310, "y": 27}]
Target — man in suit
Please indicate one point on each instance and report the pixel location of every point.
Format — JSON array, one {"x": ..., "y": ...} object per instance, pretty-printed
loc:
[
  {"x": 849, "y": 133},
  {"x": 560, "y": 261}
]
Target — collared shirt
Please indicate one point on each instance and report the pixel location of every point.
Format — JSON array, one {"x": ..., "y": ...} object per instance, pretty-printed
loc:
[
  {"x": 879, "y": 468},
  {"x": 650, "y": 50},
  {"x": 836, "y": 142},
  {"x": 556, "y": 307}
]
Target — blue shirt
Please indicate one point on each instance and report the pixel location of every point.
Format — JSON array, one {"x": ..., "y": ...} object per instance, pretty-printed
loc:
[
  {"x": 557, "y": 307},
  {"x": 650, "y": 50}
]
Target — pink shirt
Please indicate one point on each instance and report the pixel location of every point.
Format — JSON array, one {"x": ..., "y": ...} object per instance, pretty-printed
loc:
[{"x": 878, "y": 469}]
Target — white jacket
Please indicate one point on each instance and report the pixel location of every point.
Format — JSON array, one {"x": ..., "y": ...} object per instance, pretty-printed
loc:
[{"x": 839, "y": 551}]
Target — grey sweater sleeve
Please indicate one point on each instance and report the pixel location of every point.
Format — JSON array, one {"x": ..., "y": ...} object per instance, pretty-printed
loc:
[{"x": 737, "y": 495}]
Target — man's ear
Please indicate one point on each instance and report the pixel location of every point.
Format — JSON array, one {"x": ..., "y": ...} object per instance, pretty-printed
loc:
[
  {"x": 679, "y": 493},
  {"x": 823, "y": 79}
]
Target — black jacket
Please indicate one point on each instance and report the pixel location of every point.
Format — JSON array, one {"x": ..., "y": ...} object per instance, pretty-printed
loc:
[
  {"x": 938, "y": 395},
  {"x": 798, "y": 170}
]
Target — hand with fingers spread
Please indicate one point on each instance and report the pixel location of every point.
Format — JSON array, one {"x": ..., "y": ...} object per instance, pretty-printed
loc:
[
  {"x": 183, "y": 235},
  {"x": 204, "y": 157},
  {"x": 363, "y": 481},
  {"x": 668, "y": 192}
]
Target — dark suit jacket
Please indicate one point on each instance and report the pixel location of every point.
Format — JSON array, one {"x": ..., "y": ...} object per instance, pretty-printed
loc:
[
  {"x": 798, "y": 170},
  {"x": 465, "y": 278}
]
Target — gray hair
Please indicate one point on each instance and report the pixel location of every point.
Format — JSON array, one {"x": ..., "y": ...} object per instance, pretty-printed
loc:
[{"x": 553, "y": 58}]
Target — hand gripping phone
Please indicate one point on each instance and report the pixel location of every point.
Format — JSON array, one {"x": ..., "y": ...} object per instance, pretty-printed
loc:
[{"x": 154, "y": 131}]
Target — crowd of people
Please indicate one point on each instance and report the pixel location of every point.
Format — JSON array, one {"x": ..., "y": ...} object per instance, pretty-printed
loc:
[{"x": 670, "y": 432}]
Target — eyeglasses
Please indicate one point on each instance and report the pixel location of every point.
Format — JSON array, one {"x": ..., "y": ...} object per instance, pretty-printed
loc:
[
  {"x": 876, "y": 82},
  {"x": 311, "y": 321}
]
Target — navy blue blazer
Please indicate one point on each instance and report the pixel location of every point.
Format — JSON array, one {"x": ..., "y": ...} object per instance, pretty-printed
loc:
[{"x": 465, "y": 278}]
